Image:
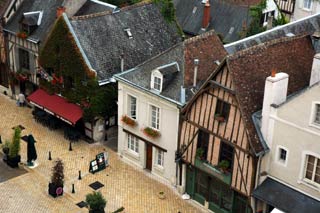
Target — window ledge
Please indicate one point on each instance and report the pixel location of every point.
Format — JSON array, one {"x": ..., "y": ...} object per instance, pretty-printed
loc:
[
  {"x": 159, "y": 168},
  {"x": 309, "y": 184},
  {"x": 306, "y": 9},
  {"x": 314, "y": 125},
  {"x": 133, "y": 154}
]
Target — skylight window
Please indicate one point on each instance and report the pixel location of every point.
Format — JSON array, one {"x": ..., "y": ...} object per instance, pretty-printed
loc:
[{"x": 129, "y": 34}]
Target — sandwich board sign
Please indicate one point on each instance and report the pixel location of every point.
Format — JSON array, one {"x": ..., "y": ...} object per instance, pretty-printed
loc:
[{"x": 100, "y": 163}]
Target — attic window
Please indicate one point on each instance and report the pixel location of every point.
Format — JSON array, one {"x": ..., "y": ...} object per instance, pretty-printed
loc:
[
  {"x": 129, "y": 34},
  {"x": 156, "y": 80},
  {"x": 30, "y": 21}
]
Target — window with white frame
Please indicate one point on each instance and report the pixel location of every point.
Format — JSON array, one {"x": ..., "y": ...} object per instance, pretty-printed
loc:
[
  {"x": 132, "y": 107},
  {"x": 312, "y": 169},
  {"x": 307, "y": 4},
  {"x": 133, "y": 143},
  {"x": 282, "y": 155},
  {"x": 156, "y": 80},
  {"x": 160, "y": 157},
  {"x": 316, "y": 117},
  {"x": 155, "y": 117}
]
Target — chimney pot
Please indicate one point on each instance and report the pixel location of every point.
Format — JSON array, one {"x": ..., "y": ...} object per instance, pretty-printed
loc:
[
  {"x": 60, "y": 11},
  {"x": 273, "y": 73},
  {"x": 206, "y": 15}
]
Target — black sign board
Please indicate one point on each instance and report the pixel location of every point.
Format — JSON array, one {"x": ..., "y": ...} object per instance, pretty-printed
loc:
[{"x": 99, "y": 163}]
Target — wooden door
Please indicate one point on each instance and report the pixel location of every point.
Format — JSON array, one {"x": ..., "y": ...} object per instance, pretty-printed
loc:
[{"x": 149, "y": 157}]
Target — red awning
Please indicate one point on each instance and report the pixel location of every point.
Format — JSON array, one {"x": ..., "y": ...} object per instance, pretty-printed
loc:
[{"x": 56, "y": 105}]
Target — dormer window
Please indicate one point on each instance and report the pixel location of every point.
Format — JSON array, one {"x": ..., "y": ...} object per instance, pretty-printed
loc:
[
  {"x": 156, "y": 81},
  {"x": 30, "y": 21}
]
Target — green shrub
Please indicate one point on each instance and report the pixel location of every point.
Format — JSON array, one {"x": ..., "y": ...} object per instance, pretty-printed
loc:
[
  {"x": 96, "y": 202},
  {"x": 14, "y": 148}
]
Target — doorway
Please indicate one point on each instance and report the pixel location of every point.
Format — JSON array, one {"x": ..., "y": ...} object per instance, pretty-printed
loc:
[{"x": 149, "y": 157}]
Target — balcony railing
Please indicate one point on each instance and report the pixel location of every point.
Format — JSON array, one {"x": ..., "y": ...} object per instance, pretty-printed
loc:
[{"x": 213, "y": 170}]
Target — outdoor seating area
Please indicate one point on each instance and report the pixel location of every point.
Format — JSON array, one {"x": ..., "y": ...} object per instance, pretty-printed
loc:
[{"x": 70, "y": 133}]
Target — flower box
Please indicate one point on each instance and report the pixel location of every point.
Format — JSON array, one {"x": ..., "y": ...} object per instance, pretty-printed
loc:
[
  {"x": 128, "y": 121},
  {"x": 22, "y": 35},
  {"x": 152, "y": 133},
  {"x": 219, "y": 118}
]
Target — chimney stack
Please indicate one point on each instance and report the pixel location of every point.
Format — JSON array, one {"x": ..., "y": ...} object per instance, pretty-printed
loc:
[
  {"x": 60, "y": 11},
  {"x": 122, "y": 62},
  {"x": 315, "y": 72},
  {"x": 206, "y": 15},
  {"x": 196, "y": 63},
  {"x": 275, "y": 92}
]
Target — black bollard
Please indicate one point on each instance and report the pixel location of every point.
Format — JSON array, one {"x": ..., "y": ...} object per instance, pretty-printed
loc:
[
  {"x": 50, "y": 155},
  {"x": 79, "y": 178},
  {"x": 73, "y": 189},
  {"x": 70, "y": 146},
  {"x": 0, "y": 140}
]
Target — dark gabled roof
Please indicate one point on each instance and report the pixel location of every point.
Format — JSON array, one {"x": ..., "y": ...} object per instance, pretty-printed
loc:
[
  {"x": 49, "y": 16},
  {"x": 304, "y": 26},
  {"x": 103, "y": 37},
  {"x": 250, "y": 68},
  {"x": 285, "y": 198},
  {"x": 227, "y": 17},
  {"x": 91, "y": 7},
  {"x": 206, "y": 47}
]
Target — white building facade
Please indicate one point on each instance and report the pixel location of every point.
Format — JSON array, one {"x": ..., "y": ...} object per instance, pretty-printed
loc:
[{"x": 147, "y": 110}]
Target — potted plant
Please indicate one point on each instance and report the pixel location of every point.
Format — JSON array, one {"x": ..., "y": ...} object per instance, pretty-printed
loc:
[
  {"x": 5, "y": 149},
  {"x": 161, "y": 195},
  {"x": 129, "y": 121},
  {"x": 96, "y": 202},
  {"x": 152, "y": 133},
  {"x": 224, "y": 165},
  {"x": 13, "y": 156},
  {"x": 200, "y": 153},
  {"x": 22, "y": 34},
  {"x": 57, "y": 178},
  {"x": 219, "y": 117}
]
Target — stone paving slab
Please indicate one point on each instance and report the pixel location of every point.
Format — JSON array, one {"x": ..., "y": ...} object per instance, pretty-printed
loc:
[{"x": 124, "y": 185}]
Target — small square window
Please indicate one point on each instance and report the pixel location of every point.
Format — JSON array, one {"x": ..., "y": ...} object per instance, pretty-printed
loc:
[
  {"x": 282, "y": 154},
  {"x": 132, "y": 107},
  {"x": 160, "y": 157},
  {"x": 222, "y": 110}
]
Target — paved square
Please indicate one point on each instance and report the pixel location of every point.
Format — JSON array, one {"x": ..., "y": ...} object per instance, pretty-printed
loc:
[{"x": 124, "y": 185}]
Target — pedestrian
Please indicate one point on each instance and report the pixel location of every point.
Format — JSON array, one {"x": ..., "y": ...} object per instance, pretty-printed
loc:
[{"x": 21, "y": 99}]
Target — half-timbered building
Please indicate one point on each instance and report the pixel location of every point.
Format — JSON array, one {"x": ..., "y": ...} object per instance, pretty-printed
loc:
[{"x": 219, "y": 146}]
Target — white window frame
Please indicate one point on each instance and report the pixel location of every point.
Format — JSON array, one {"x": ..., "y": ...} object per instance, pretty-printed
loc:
[
  {"x": 132, "y": 141},
  {"x": 156, "y": 74},
  {"x": 160, "y": 158},
  {"x": 303, "y": 168},
  {"x": 277, "y": 156},
  {"x": 306, "y": 8},
  {"x": 129, "y": 96},
  {"x": 313, "y": 114},
  {"x": 158, "y": 117}
]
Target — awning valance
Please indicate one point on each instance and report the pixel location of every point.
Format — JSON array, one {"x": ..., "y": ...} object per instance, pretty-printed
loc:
[
  {"x": 57, "y": 106},
  {"x": 285, "y": 198}
]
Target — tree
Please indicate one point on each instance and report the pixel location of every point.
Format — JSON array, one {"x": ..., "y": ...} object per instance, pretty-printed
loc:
[
  {"x": 96, "y": 202},
  {"x": 255, "y": 26}
]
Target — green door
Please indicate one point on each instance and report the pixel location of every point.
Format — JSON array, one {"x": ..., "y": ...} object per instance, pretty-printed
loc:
[{"x": 190, "y": 181}]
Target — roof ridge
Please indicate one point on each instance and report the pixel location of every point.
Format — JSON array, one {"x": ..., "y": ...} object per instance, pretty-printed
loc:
[
  {"x": 104, "y": 13},
  {"x": 264, "y": 45},
  {"x": 199, "y": 37}
]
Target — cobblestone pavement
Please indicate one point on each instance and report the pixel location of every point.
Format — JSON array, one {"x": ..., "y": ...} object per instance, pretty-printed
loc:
[{"x": 124, "y": 185}]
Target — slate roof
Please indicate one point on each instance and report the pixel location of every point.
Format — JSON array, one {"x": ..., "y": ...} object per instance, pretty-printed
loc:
[
  {"x": 227, "y": 17},
  {"x": 49, "y": 16},
  {"x": 285, "y": 198},
  {"x": 103, "y": 38},
  {"x": 91, "y": 7},
  {"x": 250, "y": 68},
  {"x": 206, "y": 47},
  {"x": 305, "y": 26}
]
